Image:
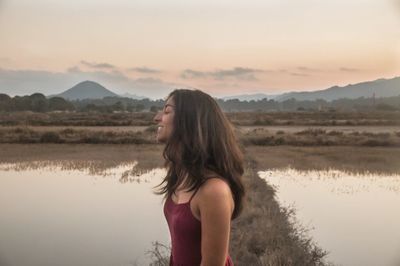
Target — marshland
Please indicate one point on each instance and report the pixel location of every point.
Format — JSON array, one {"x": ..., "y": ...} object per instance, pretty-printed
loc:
[{"x": 81, "y": 186}]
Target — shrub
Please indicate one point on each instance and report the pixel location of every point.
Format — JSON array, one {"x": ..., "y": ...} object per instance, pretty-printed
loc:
[
  {"x": 335, "y": 133},
  {"x": 50, "y": 137},
  {"x": 67, "y": 131},
  {"x": 151, "y": 129},
  {"x": 375, "y": 142}
]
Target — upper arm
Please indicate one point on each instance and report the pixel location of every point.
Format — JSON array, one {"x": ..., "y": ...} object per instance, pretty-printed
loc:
[{"x": 216, "y": 206}]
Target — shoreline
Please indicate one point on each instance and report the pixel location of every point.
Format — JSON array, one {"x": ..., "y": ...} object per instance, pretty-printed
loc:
[
  {"x": 264, "y": 233},
  {"x": 248, "y": 136}
]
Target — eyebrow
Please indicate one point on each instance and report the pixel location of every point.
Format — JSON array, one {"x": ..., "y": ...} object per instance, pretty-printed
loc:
[{"x": 170, "y": 105}]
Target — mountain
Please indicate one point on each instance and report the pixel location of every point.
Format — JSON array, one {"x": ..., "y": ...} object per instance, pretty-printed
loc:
[
  {"x": 379, "y": 88},
  {"x": 133, "y": 96},
  {"x": 249, "y": 97},
  {"x": 86, "y": 90}
]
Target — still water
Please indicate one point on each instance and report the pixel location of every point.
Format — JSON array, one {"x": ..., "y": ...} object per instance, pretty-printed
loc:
[
  {"x": 56, "y": 216},
  {"x": 355, "y": 217},
  {"x": 77, "y": 213}
]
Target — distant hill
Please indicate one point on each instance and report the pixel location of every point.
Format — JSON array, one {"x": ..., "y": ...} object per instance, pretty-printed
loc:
[
  {"x": 133, "y": 96},
  {"x": 249, "y": 97},
  {"x": 86, "y": 90},
  {"x": 380, "y": 87}
]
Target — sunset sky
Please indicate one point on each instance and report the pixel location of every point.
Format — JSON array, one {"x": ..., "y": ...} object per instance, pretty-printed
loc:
[{"x": 148, "y": 47}]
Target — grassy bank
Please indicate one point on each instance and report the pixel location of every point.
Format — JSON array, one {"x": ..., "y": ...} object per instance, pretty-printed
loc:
[
  {"x": 305, "y": 118},
  {"x": 377, "y": 160},
  {"x": 264, "y": 235},
  {"x": 315, "y": 118},
  {"x": 71, "y": 135},
  {"x": 257, "y": 136},
  {"x": 319, "y": 137}
]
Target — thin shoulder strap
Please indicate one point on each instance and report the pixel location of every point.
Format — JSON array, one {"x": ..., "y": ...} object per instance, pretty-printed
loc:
[
  {"x": 197, "y": 189},
  {"x": 194, "y": 193}
]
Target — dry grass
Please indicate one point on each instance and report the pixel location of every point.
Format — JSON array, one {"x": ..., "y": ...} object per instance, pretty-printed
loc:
[
  {"x": 315, "y": 118},
  {"x": 247, "y": 136},
  {"x": 72, "y": 135},
  {"x": 76, "y": 119},
  {"x": 264, "y": 233},
  {"x": 373, "y": 118},
  {"x": 95, "y": 158},
  {"x": 354, "y": 159},
  {"x": 317, "y": 137}
]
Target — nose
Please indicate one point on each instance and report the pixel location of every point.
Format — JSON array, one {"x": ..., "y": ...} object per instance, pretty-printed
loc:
[{"x": 157, "y": 117}]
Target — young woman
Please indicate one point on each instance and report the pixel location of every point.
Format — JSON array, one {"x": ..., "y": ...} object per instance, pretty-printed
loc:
[{"x": 203, "y": 187}]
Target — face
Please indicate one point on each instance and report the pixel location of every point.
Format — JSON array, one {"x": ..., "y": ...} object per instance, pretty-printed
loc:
[{"x": 165, "y": 119}]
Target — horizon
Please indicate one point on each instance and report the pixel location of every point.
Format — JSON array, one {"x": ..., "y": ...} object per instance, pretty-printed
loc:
[
  {"x": 148, "y": 48},
  {"x": 220, "y": 97}
]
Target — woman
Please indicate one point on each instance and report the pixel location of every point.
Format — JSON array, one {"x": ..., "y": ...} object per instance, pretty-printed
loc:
[{"x": 203, "y": 187}]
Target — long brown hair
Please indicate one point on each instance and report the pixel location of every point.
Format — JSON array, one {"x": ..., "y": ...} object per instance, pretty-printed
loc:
[{"x": 202, "y": 141}]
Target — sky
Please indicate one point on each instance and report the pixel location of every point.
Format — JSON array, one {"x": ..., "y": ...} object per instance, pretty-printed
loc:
[{"x": 149, "y": 47}]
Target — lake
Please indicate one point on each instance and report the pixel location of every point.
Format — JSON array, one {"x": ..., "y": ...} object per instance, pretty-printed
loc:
[
  {"x": 355, "y": 217},
  {"x": 53, "y": 214},
  {"x": 94, "y": 204}
]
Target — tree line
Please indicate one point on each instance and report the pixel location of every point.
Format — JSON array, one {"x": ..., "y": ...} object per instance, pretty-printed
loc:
[{"x": 38, "y": 102}]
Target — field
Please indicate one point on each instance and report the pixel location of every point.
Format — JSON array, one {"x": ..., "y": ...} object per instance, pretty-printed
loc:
[
  {"x": 253, "y": 128},
  {"x": 373, "y": 118},
  {"x": 388, "y": 136},
  {"x": 263, "y": 234}
]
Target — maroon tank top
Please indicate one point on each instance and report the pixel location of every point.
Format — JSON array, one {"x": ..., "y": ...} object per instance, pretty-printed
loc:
[{"x": 185, "y": 232}]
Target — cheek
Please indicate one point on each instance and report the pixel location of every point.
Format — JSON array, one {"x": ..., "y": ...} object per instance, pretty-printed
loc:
[{"x": 170, "y": 121}]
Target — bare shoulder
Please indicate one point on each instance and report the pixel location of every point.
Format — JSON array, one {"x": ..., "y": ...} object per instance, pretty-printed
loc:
[{"x": 215, "y": 188}]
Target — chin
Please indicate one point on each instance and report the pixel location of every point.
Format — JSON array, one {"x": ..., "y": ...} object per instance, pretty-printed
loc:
[{"x": 160, "y": 139}]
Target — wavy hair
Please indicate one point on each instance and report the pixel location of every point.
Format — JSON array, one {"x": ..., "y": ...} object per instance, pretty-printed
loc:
[{"x": 202, "y": 145}]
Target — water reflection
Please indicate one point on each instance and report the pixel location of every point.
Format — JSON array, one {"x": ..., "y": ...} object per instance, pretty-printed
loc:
[
  {"x": 68, "y": 213},
  {"x": 126, "y": 171},
  {"x": 336, "y": 181},
  {"x": 354, "y": 216}
]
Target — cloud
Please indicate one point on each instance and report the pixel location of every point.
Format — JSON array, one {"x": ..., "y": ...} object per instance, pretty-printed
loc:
[
  {"x": 148, "y": 80},
  {"x": 97, "y": 65},
  {"x": 307, "y": 69},
  {"x": 396, "y": 4},
  {"x": 346, "y": 69},
  {"x": 25, "y": 82},
  {"x": 4, "y": 59},
  {"x": 300, "y": 71},
  {"x": 240, "y": 73},
  {"x": 297, "y": 74},
  {"x": 237, "y": 72},
  {"x": 191, "y": 74},
  {"x": 74, "y": 69},
  {"x": 145, "y": 70}
]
